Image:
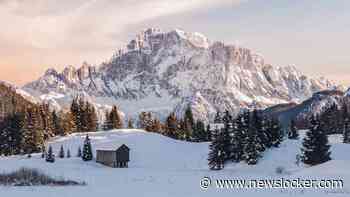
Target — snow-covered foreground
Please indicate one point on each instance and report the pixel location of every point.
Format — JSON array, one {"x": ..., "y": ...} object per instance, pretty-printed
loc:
[{"x": 164, "y": 167}]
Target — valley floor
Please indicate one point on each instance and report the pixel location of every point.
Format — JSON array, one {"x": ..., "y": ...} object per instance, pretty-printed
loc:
[{"x": 164, "y": 167}]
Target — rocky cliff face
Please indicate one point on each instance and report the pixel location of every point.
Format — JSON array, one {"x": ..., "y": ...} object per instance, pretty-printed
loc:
[{"x": 166, "y": 71}]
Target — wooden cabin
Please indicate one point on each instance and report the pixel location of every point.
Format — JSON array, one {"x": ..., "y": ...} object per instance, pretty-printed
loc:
[{"x": 118, "y": 158}]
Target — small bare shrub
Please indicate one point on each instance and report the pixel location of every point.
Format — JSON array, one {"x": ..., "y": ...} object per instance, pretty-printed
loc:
[{"x": 33, "y": 177}]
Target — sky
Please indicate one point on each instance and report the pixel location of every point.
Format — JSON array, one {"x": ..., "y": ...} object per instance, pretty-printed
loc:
[{"x": 41, "y": 34}]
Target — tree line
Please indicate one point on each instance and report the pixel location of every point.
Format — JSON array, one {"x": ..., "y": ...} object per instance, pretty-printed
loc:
[{"x": 244, "y": 138}]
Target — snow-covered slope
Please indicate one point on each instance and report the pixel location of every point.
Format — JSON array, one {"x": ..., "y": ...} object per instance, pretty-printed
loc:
[
  {"x": 158, "y": 70},
  {"x": 161, "y": 166}
]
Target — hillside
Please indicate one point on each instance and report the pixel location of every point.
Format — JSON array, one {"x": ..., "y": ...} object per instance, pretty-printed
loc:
[
  {"x": 163, "y": 72},
  {"x": 161, "y": 167},
  {"x": 13, "y": 99}
]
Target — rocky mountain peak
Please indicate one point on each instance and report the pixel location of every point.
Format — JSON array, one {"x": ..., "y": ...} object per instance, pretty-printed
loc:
[{"x": 159, "y": 71}]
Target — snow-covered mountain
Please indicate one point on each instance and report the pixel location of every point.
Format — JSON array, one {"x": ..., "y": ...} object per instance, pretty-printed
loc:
[{"x": 166, "y": 71}]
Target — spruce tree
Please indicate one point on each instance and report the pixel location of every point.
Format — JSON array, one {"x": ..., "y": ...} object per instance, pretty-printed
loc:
[
  {"x": 43, "y": 152},
  {"x": 226, "y": 132},
  {"x": 87, "y": 150},
  {"x": 276, "y": 132},
  {"x": 57, "y": 129},
  {"x": 237, "y": 139},
  {"x": 218, "y": 118},
  {"x": 216, "y": 157},
  {"x": 61, "y": 153},
  {"x": 50, "y": 157},
  {"x": 68, "y": 153},
  {"x": 75, "y": 110},
  {"x": 32, "y": 132},
  {"x": 315, "y": 148},
  {"x": 199, "y": 133},
  {"x": 293, "y": 131},
  {"x": 92, "y": 120},
  {"x": 115, "y": 118},
  {"x": 107, "y": 122},
  {"x": 130, "y": 123},
  {"x": 11, "y": 135},
  {"x": 346, "y": 126},
  {"x": 79, "y": 153},
  {"x": 259, "y": 123},
  {"x": 252, "y": 147},
  {"x": 68, "y": 124},
  {"x": 208, "y": 134},
  {"x": 189, "y": 122},
  {"x": 171, "y": 126}
]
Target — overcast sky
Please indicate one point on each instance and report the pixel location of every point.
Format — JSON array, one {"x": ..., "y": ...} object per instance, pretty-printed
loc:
[{"x": 38, "y": 34}]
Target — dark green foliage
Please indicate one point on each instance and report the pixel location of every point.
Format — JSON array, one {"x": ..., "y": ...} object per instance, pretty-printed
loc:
[
  {"x": 87, "y": 150},
  {"x": 32, "y": 132},
  {"x": 84, "y": 116},
  {"x": 226, "y": 135},
  {"x": 50, "y": 157},
  {"x": 68, "y": 154},
  {"x": 293, "y": 131},
  {"x": 11, "y": 135},
  {"x": 276, "y": 132},
  {"x": 113, "y": 119},
  {"x": 216, "y": 156},
  {"x": 346, "y": 126},
  {"x": 199, "y": 132},
  {"x": 238, "y": 135},
  {"x": 79, "y": 153},
  {"x": 172, "y": 126},
  {"x": 61, "y": 153},
  {"x": 252, "y": 148},
  {"x": 315, "y": 146},
  {"x": 188, "y": 123}
]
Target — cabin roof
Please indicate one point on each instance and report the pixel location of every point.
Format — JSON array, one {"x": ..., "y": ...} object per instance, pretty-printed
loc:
[{"x": 114, "y": 148}]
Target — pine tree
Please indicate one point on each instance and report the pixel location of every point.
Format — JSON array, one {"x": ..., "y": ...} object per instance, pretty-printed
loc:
[
  {"x": 57, "y": 124},
  {"x": 32, "y": 131},
  {"x": 237, "y": 138},
  {"x": 68, "y": 124},
  {"x": 208, "y": 134},
  {"x": 107, "y": 125},
  {"x": 252, "y": 148},
  {"x": 276, "y": 132},
  {"x": 47, "y": 123},
  {"x": 226, "y": 134},
  {"x": 115, "y": 119},
  {"x": 87, "y": 150},
  {"x": 171, "y": 126},
  {"x": 218, "y": 118},
  {"x": 79, "y": 153},
  {"x": 11, "y": 135},
  {"x": 293, "y": 131},
  {"x": 216, "y": 157},
  {"x": 68, "y": 153},
  {"x": 346, "y": 125},
  {"x": 259, "y": 123},
  {"x": 43, "y": 152},
  {"x": 315, "y": 146},
  {"x": 199, "y": 132},
  {"x": 189, "y": 123},
  {"x": 50, "y": 157},
  {"x": 92, "y": 120},
  {"x": 61, "y": 153},
  {"x": 75, "y": 110},
  {"x": 130, "y": 123}
]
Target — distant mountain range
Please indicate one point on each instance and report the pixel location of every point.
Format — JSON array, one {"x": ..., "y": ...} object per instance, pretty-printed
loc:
[{"x": 168, "y": 71}]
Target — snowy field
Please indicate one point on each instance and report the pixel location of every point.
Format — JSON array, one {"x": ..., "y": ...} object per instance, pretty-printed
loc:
[{"x": 163, "y": 167}]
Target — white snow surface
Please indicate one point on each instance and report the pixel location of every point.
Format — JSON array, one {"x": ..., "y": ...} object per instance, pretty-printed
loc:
[{"x": 162, "y": 167}]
